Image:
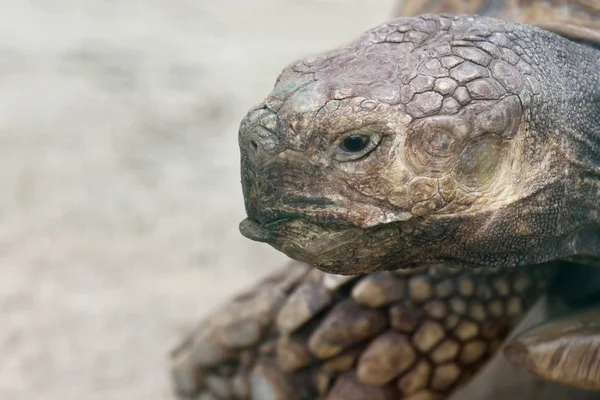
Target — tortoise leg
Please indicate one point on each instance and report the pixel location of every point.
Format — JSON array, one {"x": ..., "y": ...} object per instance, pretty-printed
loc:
[
  {"x": 303, "y": 334},
  {"x": 500, "y": 380},
  {"x": 565, "y": 350}
]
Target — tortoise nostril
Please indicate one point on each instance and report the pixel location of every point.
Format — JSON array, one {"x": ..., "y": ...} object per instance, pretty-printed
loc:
[{"x": 254, "y": 145}]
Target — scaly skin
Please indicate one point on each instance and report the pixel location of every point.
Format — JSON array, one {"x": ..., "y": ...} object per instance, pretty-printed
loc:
[
  {"x": 483, "y": 150},
  {"x": 302, "y": 334}
]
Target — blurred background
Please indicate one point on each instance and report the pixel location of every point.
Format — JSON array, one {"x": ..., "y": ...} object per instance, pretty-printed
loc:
[{"x": 120, "y": 194}]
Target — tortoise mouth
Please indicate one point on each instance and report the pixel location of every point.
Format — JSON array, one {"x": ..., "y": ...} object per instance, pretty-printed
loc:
[
  {"x": 260, "y": 231},
  {"x": 304, "y": 240}
]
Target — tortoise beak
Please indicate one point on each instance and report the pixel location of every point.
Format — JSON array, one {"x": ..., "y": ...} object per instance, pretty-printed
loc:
[{"x": 256, "y": 231}]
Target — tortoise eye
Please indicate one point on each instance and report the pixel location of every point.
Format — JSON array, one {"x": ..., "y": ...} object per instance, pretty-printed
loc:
[
  {"x": 355, "y": 146},
  {"x": 355, "y": 143}
]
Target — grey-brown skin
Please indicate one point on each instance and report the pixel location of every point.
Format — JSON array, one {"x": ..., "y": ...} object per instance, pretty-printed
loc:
[{"x": 484, "y": 149}]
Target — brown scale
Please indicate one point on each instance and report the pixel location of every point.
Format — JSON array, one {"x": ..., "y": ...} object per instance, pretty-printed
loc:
[
  {"x": 579, "y": 18},
  {"x": 303, "y": 334}
]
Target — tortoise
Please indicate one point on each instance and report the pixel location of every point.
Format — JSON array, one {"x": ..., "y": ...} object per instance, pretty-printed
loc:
[{"x": 441, "y": 172}]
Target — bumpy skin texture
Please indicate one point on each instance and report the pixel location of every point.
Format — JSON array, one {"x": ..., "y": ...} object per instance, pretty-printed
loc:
[
  {"x": 304, "y": 334},
  {"x": 483, "y": 149}
]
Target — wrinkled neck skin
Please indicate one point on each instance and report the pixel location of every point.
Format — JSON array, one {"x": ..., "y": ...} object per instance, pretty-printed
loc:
[
  {"x": 483, "y": 150},
  {"x": 542, "y": 227}
]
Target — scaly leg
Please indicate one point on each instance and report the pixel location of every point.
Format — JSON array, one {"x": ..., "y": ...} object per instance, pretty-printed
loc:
[{"x": 304, "y": 334}]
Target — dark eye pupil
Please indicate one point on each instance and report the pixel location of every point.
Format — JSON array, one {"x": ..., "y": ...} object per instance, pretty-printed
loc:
[{"x": 355, "y": 143}]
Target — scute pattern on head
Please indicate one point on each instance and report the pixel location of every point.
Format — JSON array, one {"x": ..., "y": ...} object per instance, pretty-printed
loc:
[
  {"x": 467, "y": 132},
  {"x": 454, "y": 84}
]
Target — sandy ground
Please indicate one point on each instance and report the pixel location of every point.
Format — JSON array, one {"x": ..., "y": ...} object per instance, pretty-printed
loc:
[{"x": 120, "y": 192}]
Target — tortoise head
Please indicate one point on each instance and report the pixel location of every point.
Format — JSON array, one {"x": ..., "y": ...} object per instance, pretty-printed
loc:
[{"x": 414, "y": 144}]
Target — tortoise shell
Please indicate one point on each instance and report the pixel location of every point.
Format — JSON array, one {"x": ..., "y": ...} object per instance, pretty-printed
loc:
[{"x": 575, "y": 19}]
